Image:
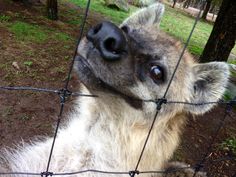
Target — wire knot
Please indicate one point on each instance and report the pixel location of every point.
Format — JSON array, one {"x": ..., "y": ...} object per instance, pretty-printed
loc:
[
  {"x": 230, "y": 104},
  {"x": 233, "y": 101},
  {"x": 159, "y": 103},
  {"x": 64, "y": 94},
  {"x": 198, "y": 167},
  {"x": 46, "y": 174},
  {"x": 133, "y": 173}
]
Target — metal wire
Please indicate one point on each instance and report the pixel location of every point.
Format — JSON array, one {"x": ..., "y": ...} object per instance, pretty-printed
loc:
[
  {"x": 145, "y": 144},
  {"x": 185, "y": 47},
  {"x": 46, "y": 90},
  {"x": 65, "y": 90},
  {"x": 64, "y": 93},
  {"x": 163, "y": 99},
  {"x": 221, "y": 124},
  {"x": 20, "y": 173},
  {"x": 29, "y": 89},
  {"x": 197, "y": 166}
]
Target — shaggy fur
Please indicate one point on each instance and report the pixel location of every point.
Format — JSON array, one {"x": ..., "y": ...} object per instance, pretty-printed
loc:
[
  {"x": 142, "y": 3},
  {"x": 108, "y": 132}
]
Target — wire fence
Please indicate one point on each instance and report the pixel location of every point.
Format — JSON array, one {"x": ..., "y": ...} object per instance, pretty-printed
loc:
[{"x": 65, "y": 92}]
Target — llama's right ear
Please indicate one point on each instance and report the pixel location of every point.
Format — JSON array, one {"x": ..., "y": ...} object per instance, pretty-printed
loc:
[
  {"x": 150, "y": 15},
  {"x": 209, "y": 83}
]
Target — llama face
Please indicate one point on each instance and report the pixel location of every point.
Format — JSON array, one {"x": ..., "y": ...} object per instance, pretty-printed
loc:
[{"x": 137, "y": 60}]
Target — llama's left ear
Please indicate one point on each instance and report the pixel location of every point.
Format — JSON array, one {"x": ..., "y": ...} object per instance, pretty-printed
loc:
[
  {"x": 150, "y": 15},
  {"x": 209, "y": 83}
]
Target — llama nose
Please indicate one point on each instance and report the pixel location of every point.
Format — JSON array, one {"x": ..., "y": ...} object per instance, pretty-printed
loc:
[{"x": 109, "y": 40}]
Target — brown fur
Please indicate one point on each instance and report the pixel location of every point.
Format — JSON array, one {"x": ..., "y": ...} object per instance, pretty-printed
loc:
[{"x": 108, "y": 132}]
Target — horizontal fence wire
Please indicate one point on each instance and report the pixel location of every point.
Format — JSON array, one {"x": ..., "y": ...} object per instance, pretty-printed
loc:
[
  {"x": 21, "y": 88},
  {"x": 65, "y": 93},
  {"x": 70, "y": 93},
  {"x": 120, "y": 172}
]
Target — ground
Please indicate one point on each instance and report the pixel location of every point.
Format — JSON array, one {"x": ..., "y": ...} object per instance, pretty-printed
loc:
[{"x": 37, "y": 52}]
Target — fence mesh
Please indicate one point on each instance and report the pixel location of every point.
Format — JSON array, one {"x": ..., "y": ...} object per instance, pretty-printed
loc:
[{"x": 65, "y": 93}]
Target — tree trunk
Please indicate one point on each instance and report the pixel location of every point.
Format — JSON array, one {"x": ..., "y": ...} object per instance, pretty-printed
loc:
[
  {"x": 223, "y": 35},
  {"x": 206, "y": 10},
  {"x": 190, "y": 3},
  {"x": 212, "y": 9},
  {"x": 173, "y": 6},
  {"x": 195, "y": 4},
  {"x": 25, "y": 2},
  {"x": 52, "y": 9},
  {"x": 187, "y": 3}
]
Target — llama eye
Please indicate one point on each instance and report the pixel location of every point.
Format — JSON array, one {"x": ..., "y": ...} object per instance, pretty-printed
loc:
[{"x": 156, "y": 73}]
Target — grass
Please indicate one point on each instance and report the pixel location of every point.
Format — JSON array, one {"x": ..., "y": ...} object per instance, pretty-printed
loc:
[
  {"x": 27, "y": 32},
  {"x": 179, "y": 25},
  {"x": 73, "y": 17},
  {"x": 60, "y": 69},
  {"x": 4, "y": 18},
  {"x": 7, "y": 111},
  {"x": 62, "y": 36},
  {"x": 24, "y": 117},
  {"x": 174, "y": 22},
  {"x": 34, "y": 33},
  {"x": 99, "y": 6},
  {"x": 28, "y": 63},
  {"x": 38, "y": 36},
  {"x": 229, "y": 144}
]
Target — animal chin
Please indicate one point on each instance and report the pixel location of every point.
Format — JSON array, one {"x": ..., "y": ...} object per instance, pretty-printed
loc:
[
  {"x": 85, "y": 72},
  {"x": 87, "y": 75}
]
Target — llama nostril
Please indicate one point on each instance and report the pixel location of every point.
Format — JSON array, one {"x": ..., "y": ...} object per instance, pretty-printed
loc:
[
  {"x": 97, "y": 28},
  {"x": 109, "y": 40},
  {"x": 110, "y": 45},
  {"x": 93, "y": 32}
]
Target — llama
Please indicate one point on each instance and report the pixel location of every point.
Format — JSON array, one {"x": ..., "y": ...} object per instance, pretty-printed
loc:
[{"x": 122, "y": 65}]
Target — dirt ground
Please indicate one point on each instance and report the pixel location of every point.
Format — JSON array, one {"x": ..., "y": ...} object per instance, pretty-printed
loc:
[{"x": 25, "y": 115}]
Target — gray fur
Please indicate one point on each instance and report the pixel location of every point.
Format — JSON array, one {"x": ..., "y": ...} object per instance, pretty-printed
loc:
[
  {"x": 107, "y": 133},
  {"x": 147, "y": 16}
]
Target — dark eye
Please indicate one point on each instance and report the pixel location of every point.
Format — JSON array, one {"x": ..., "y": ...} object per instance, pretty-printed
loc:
[{"x": 156, "y": 73}]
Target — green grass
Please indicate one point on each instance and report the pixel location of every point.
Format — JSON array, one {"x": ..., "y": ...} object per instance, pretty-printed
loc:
[
  {"x": 174, "y": 22},
  {"x": 179, "y": 25},
  {"x": 27, "y": 32},
  {"x": 73, "y": 17},
  {"x": 28, "y": 63},
  {"x": 116, "y": 16},
  {"x": 229, "y": 144},
  {"x": 4, "y": 18},
  {"x": 34, "y": 33},
  {"x": 74, "y": 22},
  {"x": 62, "y": 36}
]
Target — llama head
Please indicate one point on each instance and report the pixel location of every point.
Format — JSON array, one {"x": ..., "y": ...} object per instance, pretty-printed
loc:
[{"x": 137, "y": 60}]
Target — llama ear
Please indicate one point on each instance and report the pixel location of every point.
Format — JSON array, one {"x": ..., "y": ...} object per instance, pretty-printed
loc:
[
  {"x": 209, "y": 83},
  {"x": 150, "y": 15}
]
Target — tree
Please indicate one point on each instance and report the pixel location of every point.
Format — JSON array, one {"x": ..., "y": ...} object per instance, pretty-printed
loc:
[
  {"x": 223, "y": 35},
  {"x": 25, "y": 2},
  {"x": 187, "y": 3},
  {"x": 206, "y": 10},
  {"x": 52, "y": 9},
  {"x": 174, "y": 2}
]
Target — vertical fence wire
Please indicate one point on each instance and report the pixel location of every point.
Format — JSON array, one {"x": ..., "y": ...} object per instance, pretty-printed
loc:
[
  {"x": 65, "y": 90},
  {"x": 185, "y": 46},
  {"x": 64, "y": 93},
  {"x": 163, "y": 99},
  {"x": 200, "y": 165}
]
